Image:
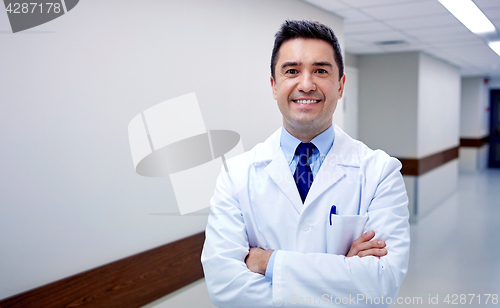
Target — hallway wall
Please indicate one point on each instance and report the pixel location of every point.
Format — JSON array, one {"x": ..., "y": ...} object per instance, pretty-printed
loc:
[
  {"x": 70, "y": 198},
  {"x": 405, "y": 113}
]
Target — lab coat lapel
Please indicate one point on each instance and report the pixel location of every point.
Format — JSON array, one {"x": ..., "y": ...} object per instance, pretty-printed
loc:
[
  {"x": 279, "y": 171},
  {"x": 342, "y": 153}
]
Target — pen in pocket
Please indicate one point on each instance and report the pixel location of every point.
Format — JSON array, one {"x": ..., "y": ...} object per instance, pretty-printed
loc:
[{"x": 333, "y": 211}]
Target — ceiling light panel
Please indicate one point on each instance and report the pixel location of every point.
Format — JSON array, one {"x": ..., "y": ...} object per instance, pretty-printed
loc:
[
  {"x": 495, "y": 46},
  {"x": 470, "y": 15}
]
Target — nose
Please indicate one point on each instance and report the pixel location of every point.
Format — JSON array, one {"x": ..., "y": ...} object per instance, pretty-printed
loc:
[{"x": 306, "y": 83}]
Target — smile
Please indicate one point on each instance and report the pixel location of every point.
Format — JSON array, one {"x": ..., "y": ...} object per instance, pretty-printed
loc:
[{"x": 306, "y": 101}]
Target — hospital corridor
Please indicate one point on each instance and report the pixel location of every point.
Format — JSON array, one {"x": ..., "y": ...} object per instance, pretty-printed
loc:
[{"x": 249, "y": 153}]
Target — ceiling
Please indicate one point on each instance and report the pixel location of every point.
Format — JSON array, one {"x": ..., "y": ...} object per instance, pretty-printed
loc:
[{"x": 423, "y": 25}]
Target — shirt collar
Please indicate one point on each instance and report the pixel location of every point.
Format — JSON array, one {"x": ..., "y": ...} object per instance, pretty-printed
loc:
[{"x": 323, "y": 142}]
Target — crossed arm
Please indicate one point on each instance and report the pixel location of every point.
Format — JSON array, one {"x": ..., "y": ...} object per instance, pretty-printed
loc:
[
  {"x": 235, "y": 274},
  {"x": 258, "y": 258}
]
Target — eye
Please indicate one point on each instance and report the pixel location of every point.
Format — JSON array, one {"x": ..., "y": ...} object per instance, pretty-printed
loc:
[
  {"x": 291, "y": 71},
  {"x": 321, "y": 71}
]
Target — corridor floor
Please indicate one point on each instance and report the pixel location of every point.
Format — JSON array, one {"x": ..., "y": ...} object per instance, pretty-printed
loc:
[{"x": 455, "y": 249}]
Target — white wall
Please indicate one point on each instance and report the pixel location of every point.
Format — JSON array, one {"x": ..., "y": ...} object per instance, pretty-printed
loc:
[
  {"x": 438, "y": 106},
  {"x": 435, "y": 186},
  {"x": 70, "y": 199},
  {"x": 438, "y": 129},
  {"x": 411, "y": 184},
  {"x": 473, "y": 159}
]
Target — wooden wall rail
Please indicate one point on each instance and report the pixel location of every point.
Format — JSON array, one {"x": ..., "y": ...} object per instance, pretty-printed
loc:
[
  {"x": 130, "y": 282},
  {"x": 413, "y": 166},
  {"x": 473, "y": 142}
]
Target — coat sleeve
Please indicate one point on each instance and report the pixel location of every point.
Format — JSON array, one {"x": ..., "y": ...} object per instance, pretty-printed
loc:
[
  {"x": 229, "y": 281},
  {"x": 353, "y": 282}
]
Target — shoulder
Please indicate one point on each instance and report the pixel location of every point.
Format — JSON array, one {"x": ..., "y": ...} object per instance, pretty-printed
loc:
[
  {"x": 262, "y": 152},
  {"x": 363, "y": 156}
]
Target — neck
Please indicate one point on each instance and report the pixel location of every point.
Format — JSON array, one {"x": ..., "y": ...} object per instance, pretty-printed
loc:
[{"x": 305, "y": 134}]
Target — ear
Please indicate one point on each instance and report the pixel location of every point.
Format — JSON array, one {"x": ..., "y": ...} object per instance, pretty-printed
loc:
[
  {"x": 341, "y": 86},
  {"x": 273, "y": 86}
]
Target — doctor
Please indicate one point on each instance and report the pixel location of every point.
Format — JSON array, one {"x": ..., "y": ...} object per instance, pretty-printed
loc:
[{"x": 311, "y": 216}]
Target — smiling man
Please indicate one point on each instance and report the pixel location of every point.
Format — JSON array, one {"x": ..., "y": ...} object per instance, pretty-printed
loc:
[
  {"x": 307, "y": 86},
  {"x": 310, "y": 216}
]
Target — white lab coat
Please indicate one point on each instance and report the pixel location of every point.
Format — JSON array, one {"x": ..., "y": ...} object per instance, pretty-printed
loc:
[{"x": 256, "y": 204}]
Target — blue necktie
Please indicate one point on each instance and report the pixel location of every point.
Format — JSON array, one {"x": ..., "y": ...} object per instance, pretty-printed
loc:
[{"x": 303, "y": 175}]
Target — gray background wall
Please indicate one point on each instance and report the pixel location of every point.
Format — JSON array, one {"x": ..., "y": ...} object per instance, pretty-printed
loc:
[
  {"x": 409, "y": 106},
  {"x": 474, "y": 118},
  {"x": 388, "y": 99}
]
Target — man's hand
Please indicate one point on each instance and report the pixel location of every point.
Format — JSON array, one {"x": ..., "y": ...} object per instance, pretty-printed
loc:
[
  {"x": 363, "y": 246},
  {"x": 257, "y": 260}
]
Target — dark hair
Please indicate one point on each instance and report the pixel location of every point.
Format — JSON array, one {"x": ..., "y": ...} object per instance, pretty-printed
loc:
[{"x": 291, "y": 29}]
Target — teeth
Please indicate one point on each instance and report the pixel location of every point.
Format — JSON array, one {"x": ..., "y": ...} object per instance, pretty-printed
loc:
[{"x": 309, "y": 101}]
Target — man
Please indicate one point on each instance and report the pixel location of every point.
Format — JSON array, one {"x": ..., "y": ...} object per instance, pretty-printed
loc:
[{"x": 310, "y": 216}]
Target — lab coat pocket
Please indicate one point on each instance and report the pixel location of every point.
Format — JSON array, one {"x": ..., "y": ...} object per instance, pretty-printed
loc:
[{"x": 343, "y": 231}]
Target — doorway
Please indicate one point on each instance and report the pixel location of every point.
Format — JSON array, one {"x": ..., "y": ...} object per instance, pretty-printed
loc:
[{"x": 494, "y": 160}]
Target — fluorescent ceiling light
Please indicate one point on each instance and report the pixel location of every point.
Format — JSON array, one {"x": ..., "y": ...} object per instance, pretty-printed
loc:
[
  {"x": 469, "y": 14},
  {"x": 495, "y": 46}
]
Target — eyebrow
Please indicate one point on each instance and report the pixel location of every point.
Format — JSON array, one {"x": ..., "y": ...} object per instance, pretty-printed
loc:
[
  {"x": 287, "y": 64},
  {"x": 325, "y": 63},
  {"x": 292, "y": 63}
]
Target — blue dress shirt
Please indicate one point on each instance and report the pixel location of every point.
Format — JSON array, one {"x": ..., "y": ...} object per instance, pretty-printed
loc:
[{"x": 289, "y": 143}]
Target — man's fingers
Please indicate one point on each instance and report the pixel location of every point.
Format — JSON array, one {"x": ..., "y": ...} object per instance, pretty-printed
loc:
[
  {"x": 376, "y": 252},
  {"x": 362, "y": 244},
  {"x": 371, "y": 244},
  {"x": 365, "y": 237}
]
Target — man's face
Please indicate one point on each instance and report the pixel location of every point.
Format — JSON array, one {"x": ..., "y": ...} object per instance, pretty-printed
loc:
[{"x": 307, "y": 85}]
